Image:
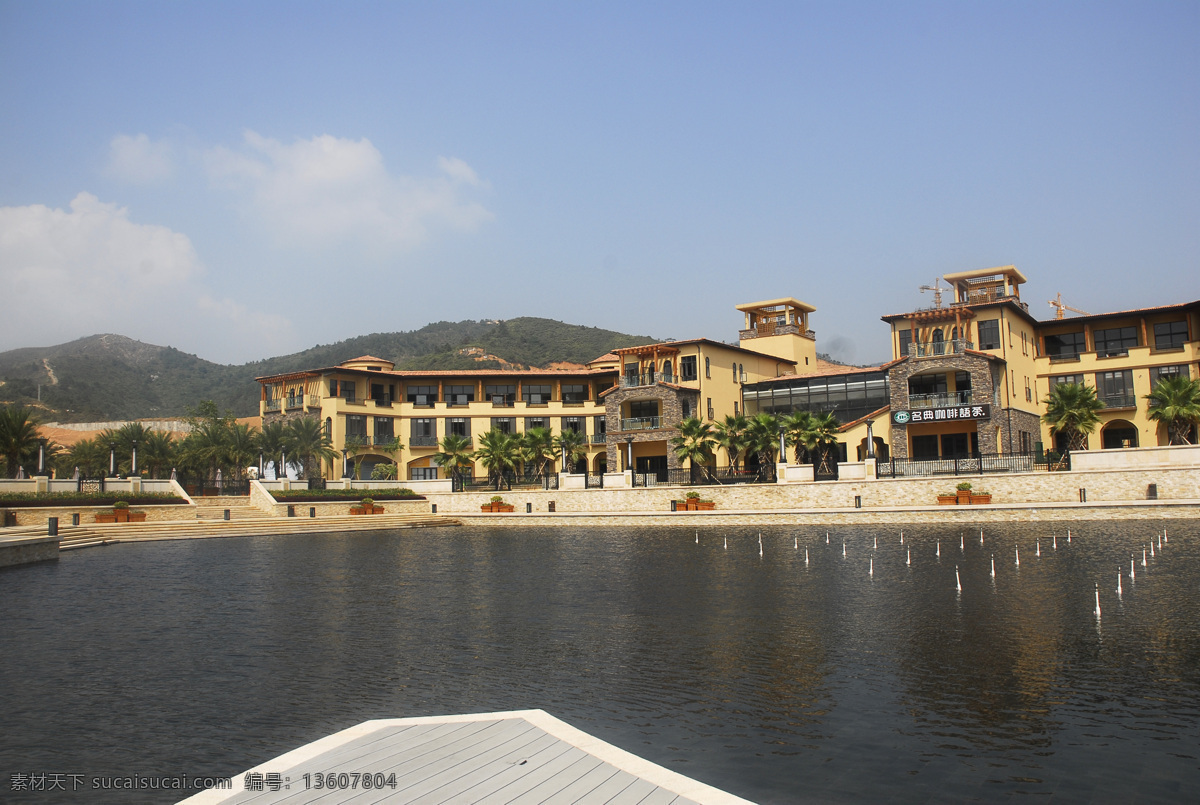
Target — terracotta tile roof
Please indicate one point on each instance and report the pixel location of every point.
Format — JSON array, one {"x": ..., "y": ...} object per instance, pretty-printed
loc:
[
  {"x": 1134, "y": 311},
  {"x": 826, "y": 369},
  {"x": 607, "y": 357},
  {"x": 873, "y": 415},
  {"x": 368, "y": 358}
]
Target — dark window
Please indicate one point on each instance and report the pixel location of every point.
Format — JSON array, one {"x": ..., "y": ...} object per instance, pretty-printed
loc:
[
  {"x": 1157, "y": 373},
  {"x": 333, "y": 388},
  {"x": 421, "y": 395},
  {"x": 962, "y": 380},
  {"x": 685, "y": 408},
  {"x": 707, "y": 368},
  {"x": 631, "y": 370},
  {"x": 1115, "y": 341},
  {"x": 458, "y": 426},
  {"x": 1115, "y": 389},
  {"x": 346, "y": 389},
  {"x": 378, "y": 392},
  {"x": 643, "y": 408},
  {"x": 423, "y": 473},
  {"x": 500, "y": 395},
  {"x": 532, "y": 422},
  {"x": 925, "y": 446},
  {"x": 423, "y": 429},
  {"x": 905, "y": 340},
  {"x": 1065, "y": 345},
  {"x": 574, "y": 392},
  {"x": 989, "y": 334},
  {"x": 687, "y": 368},
  {"x": 1057, "y": 379},
  {"x": 384, "y": 429},
  {"x": 535, "y": 395},
  {"x": 459, "y": 395},
  {"x": 574, "y": 423},
  {"x": 1170, "y": 334},
  {"x": 356, "y": 427},
  {"x": 599, "y": 425},
  {"x": 328, "y": 427},
  {"x": 927, "y": 384},
  {"x": 504, "y": 424}
]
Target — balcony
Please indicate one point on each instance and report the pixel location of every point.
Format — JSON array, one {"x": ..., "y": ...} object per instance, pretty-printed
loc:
[
  {"x": 270, "y": 406},
  {"x": 938, "y": 348},
  {"x": 641, "y": 423},
  {"x": 942, "y": 400},
  {"x": 598, "y": 438},
  {"x": 1068, "y": 357},
  {"x": 632, "y": 381},
  {"x": 383, "y": 402},
  {"x": 355, "y": 441},
  {"x": 314, "y": 401},
  {"x": 1119, "y": 400},
  {"x": 423, "y": 441}
]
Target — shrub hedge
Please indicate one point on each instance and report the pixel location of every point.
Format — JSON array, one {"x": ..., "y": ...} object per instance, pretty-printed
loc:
[
  {"x": 16, "y": 500},
  {"x": 334, "y": 495}
]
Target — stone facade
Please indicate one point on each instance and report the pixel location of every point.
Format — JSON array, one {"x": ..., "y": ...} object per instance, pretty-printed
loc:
[
  {"x": 983, "y": 389},
  {"x": 155, "y": 512},
  {"x": 670, "y": 405},
  {"x": 27, "y": 551}
]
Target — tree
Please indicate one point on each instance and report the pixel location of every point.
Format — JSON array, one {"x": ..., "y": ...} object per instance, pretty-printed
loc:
[
  {"x": 455, "y": 454},
  {"x": 308, "y": 445},
  {"x": 1071, "y": 410},
  {"x": 797, "y": 427},
  {"x": 89, "y": 455},
  {"x": 695, "y": 443},
  {"x": 820, "y": 439},
  {"x": 572, "y": 446},
  {"x": 538, "y": 450},
  {"x": 762, "y": 436},
  {"x": 18, "y": 438},
  {"x": 730, "y": 434},
  {"x": 241, "y": 449},
  {"x": 499, "y": 452},
  {"x": 158, "y": 454},
  {"x": 384, "y": 472},
  {"x": 1175, "y": 401},
  {"x": 272, "y": 444}
]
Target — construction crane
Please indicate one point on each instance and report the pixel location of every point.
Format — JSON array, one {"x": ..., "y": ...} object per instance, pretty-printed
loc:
[
  {"x": 937, "y": 291},
  {"x": 1060, "y": 306}
]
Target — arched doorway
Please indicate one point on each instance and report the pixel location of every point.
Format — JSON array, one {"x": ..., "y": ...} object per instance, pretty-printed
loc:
[{"x": 1118, "y": 434}]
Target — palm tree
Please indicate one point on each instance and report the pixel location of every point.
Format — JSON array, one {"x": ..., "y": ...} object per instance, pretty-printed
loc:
[
  {"x": 272, "y": 443},
  {"x": 730, "y": 434},
  {"x": 498, "y": 452},
  {"x": 205, "y": 448},
  {"x": 762, "y": 436},
  {"x": 241, "y": 449},
  {"x": 1071, "y": 410},
  {"x": 89, "y": 455},
  {"x": 538, "y": 450},
  {"x": 18, "y": 438},
  {"x": 455, "y": 454},
  {"x": 1175, "y": 401},
  {"x": 820, "y": 439},
  {"x": 572, "y": 446},
  {"x": 306, "y": 442},
  {"x": 796, "y": 429},
  {"x": 158, "y": 453},
  {"x": 695, "y": 443}
]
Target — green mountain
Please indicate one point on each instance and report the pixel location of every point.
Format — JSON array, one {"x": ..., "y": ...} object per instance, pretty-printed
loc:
[{"x": 105, "y": 377}]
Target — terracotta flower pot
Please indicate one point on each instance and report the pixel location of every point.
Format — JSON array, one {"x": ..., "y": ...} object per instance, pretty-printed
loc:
[
  {"x": 947, "y": 500},
  {"x": 980, "y": 499},
  {"x": 964, "y": 497}
]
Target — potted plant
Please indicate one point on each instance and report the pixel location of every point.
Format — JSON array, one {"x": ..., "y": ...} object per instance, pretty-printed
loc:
[
  {"x": 366, "y": 506},
  {"x": 705, "y": 505},
  {"x": 693, "y": 501},
  {"x": 964, "y": 493},
  {"x": 121, "y": 510},
  {"x": 947, "y": 500},
  {"x": 497, "y": 505},
  {"x": 980, "y": 497}
]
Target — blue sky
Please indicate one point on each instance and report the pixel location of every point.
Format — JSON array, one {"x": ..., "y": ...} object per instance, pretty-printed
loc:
[{"x": 241, "y": 180}]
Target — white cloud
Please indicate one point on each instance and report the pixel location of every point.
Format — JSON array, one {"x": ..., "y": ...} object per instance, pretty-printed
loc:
[
  {"x": 137, "y": 160},
  {"x": 327, "y": 190},
  {"x": 90, "y": 269}
]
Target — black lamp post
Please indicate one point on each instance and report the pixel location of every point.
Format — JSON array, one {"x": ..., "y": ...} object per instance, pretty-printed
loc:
[
  {"x": 112, "y": 459},
  {"x": 42, "y": 455}
]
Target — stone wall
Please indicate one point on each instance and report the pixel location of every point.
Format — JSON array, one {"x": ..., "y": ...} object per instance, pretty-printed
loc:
[
  {"x": 1174, "y": 483},
  {"x": 27, "y": 550},
  {"x": 87, "y": 514},
  {"x": 342, "y": 508},
  {"x": 670, "y": 409}
]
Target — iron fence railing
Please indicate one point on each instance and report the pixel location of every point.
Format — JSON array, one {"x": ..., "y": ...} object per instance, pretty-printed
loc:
[
  {"x": 208, "y": 487},
  {"x": 701, "y": 476},
  {"x": 641, "y": 423},
  {"x": 423, "y": 441},
  {"x": 978, "y": 464},
  {"x": 1119, "y": 400},
  {"x": 941, "y": 400},
  {"x": 501, "y": 482},
  {"x": 593, "y": 480},
  {"x": 598, "y": 438},
  {"x": 955, "y": 346}
]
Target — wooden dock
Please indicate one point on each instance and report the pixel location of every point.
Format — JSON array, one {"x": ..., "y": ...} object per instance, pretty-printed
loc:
[{"x": 518, "y": 757}]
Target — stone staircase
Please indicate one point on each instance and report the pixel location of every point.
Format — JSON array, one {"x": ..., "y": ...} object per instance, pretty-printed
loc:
[{"x": 213, "y": 508}]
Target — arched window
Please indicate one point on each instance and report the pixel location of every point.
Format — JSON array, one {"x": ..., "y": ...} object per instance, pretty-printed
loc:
[
  {"x": 328, "y": 427},
  {"x": 939, "y": 344}
]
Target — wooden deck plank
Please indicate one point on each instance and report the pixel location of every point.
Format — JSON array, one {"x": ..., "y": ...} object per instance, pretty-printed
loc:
[{"x": 524, "y": 757}]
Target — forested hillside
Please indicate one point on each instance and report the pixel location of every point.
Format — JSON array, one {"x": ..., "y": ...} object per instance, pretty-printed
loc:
[{"x": 113, "y": 377}]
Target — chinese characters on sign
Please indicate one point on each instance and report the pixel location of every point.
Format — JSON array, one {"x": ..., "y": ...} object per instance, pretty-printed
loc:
[{"x": 945, "y": 414}]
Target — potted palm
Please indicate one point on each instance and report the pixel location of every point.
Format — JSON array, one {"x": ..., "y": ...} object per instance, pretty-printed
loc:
[{"x": 964, "y": 493}]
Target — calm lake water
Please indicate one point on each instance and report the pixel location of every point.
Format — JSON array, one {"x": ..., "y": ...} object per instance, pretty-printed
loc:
[{"x": 777, "y": 680}]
